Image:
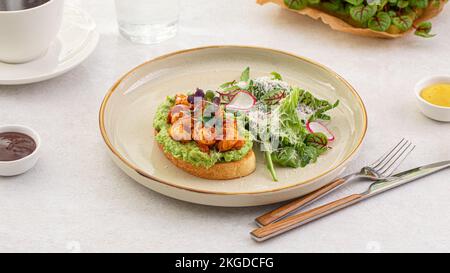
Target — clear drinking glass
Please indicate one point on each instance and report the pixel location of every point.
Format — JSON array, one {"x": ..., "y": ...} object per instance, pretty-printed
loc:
[{"x": 148, "y": 21}]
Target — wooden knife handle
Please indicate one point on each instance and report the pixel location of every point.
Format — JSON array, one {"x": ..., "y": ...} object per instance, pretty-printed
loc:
[
  {"x": 277, "y": 214},
  {"x": 282, "y": 226}
]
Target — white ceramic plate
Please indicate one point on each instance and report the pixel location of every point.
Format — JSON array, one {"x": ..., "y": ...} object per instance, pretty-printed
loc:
[
  {"x": 77, "y": 39},
  {"x": 128, "y": 109}
]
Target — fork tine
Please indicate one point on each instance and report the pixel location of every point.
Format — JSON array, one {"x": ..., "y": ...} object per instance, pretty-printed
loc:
[
  {"x": 383, "y": 157},
  {"x": 388, "y": 161},
  {"x": 397, "y": 162}
]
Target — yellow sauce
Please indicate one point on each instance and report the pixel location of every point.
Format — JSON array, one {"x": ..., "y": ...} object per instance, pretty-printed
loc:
[{"x": 437, "y": 94}]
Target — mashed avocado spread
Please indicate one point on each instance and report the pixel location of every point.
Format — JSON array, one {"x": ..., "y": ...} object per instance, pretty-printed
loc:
[{"x": 190, "y": 152}]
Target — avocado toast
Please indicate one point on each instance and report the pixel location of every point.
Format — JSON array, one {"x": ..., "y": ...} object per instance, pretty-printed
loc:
[{"x": 210, "y": 146}]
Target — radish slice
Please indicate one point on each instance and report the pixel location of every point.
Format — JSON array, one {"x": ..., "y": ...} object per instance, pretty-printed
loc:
[
  {"x": 317, "y": 127},
  {"x": 227, "y": 97},
  {"x": 243, "y": 101}
]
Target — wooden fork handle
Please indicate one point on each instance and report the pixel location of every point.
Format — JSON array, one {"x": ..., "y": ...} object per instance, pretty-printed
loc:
[
  {"x": 282, "y": 226},
  {"x": 277, "y": 214}
]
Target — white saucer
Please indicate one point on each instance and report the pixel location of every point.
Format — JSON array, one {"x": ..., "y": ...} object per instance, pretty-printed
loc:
[{"x": 77, "y": 39}]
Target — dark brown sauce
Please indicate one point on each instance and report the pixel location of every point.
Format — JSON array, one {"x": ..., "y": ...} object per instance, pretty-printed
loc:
[{"x": 15, "y": 146}]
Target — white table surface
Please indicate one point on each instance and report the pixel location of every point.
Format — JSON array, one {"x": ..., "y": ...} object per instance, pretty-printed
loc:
[{"x": 76, "y": 199}]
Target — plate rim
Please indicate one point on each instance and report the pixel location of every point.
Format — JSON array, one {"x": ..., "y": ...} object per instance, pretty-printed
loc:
[{"x": 180, "y": 52}]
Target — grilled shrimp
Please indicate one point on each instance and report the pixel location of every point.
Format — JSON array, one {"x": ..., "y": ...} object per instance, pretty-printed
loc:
[
  {"x": 203, "y": 148},
  {"x": 230, "y": 131},
  {"x": 181, "y": 130},
  {"x": 182, "y": 99},
  {"x": 231, "y": 137},
  {"x": 239, "y": 144},
  {"x": 177, "y": 112},
  {"x": 226, "y": 145},
  {"x": 205, "y": 136}
]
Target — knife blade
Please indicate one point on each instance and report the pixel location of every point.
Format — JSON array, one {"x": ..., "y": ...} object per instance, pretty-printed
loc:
[{"x": 406, "y": 177}]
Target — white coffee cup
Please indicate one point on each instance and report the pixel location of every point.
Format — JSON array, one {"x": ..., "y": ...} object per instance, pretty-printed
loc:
[{"x": 26, "y": 34}]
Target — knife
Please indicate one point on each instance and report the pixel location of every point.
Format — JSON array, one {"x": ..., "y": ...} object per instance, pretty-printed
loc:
[{"x": 289, "y": 223}]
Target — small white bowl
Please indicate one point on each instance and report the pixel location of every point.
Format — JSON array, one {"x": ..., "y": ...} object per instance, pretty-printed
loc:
[
  {"x": 17, "y": 167},
  {"x": 439, "y": 113}
]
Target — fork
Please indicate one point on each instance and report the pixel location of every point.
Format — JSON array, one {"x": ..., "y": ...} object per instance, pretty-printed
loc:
[{"x": 381, "y": 169}]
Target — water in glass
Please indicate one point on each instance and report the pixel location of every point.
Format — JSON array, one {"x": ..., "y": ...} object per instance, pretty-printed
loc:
[{"x": 148, "y": 21}]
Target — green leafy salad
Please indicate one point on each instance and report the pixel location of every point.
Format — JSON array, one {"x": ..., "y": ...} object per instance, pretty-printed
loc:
[
  {"x": 286, "y": 121},
  {"x": 392, "y": 16}
]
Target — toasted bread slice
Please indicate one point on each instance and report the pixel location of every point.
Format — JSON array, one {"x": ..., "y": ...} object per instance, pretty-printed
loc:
[{"x": 220, "y": 171}]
